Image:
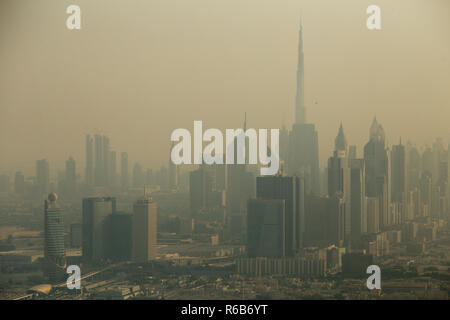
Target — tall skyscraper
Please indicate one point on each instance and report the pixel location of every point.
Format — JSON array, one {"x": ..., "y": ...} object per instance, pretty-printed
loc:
[
  {"x": 200, "y": 189},
  {"x": 106, "y": 162},
  {"x": 324, "y": 221},
  {"x": 427, "y": 160},
  {"x": 99, "y": 163},
  {"x": 149, "y": 177},
  {"x": 119, "y": 236},
  {"x": 438, "y": 155},
  {"x": 113, "y": 169},
  {"x": 300, "y": 109},
  {"x": 240, "y": 186},
  {"x": 89, "y": 178},
  {"x": 358, "y": 211},
  {"x": 398, "y": 179},
  {"x": 221, "y": 177},
  {"x": 377, "y": 171},
  {"x": 338, "y": 166},
  {"x": 173, "y": 173},
  {"x": 413, "y": 203},
  {"x": 42, "y": 177},
  {"x": 95, "y": 211},
  {"x": 434, "y": 163},
  {"x": 303, "y": 157},
  {"x": 70, "y": 177},
  {"x": 373, "y": 212},
  {"x": 375, "y": 157},
  {"x": 144, "y": 229},
  {"x": 443, "y": 185},
  {"x": 54, "y": 248},
  {"x": 339, "y": 176},
  {"x": 426, "y": 191},
  {"x": 340, "y": 142},
  {"x": 101, "y": 159},
  {"x": 290, "y": 189},
  {"x": 124, "y": 170},
  {"x": 266, "y": 228},
  {"x": 413, "y": 167},
  {"x": 138, "y": 176},
  {"x": 163, "y": 180}
]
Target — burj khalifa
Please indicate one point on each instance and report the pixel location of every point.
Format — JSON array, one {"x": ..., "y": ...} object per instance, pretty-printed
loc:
[
  {"x": 303, "y": 153},
  {"x": 300, "y": 110}
]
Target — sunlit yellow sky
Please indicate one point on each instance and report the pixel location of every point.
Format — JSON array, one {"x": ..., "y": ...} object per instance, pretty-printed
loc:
[{"x": 139, "y": 69}]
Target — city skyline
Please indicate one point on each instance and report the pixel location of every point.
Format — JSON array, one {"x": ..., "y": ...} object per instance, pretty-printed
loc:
[
  {"x": 361, "y": 175},
  {"x": 329, "y": 52}
]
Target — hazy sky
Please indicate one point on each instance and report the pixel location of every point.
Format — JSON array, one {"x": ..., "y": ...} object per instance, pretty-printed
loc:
[{"x": 138, "y": 69}]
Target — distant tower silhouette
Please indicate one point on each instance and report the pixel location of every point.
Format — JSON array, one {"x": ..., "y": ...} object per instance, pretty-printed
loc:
[
  {"x": 173, "y": 172},
  {"x": 377, "y": 171},
  {"x": 340, "y": 143},
  {"x": 42, "y": 177},
  {"x": 71, "y": 177},
  {"x": 54, "y": 249},
  {"x": 124, "y": 170},
  {"x": 144, "y": 229},
  {"x": 303, "y": 153},
  {"x": 89, "y": 178},
  {"x": 300, "y": 110}
]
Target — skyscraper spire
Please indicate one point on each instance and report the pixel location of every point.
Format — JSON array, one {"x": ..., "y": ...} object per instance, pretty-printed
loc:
[
  {"x": 340, "y": 143},
  {"x": 300, "y": 110},
  {"x": 303, "y": 155},
  {"x": 376, "y": 131},
  {"x": 245, "y": 121}
]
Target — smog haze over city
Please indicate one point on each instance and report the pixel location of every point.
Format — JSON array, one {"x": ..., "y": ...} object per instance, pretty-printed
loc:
[
  {"x": 345, "y": 196},
  {"x": 136, "y": 71}
]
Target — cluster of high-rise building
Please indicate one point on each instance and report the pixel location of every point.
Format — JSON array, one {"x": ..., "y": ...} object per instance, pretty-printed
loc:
[
  {"x": 101, "y": 164},
  {"x": 101, "y": 169},
  {"x": 365, "y": 204},
  {"x": 111, "y": 235},
  {"x": 295, "y": 222},
  {"x": 102, "y": 175},
  {"x": 105, "y": 234}
]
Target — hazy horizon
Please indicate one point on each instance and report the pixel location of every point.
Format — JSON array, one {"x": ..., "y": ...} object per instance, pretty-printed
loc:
[{"x": 139, "y": 70}]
